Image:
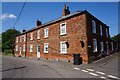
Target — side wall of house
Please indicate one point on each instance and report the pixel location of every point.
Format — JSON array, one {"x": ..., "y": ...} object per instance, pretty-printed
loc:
[{"x": 76, "y": 32}]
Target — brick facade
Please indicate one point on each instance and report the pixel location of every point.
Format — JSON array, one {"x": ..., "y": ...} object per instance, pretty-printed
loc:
[{"x": 78, "y": 28}]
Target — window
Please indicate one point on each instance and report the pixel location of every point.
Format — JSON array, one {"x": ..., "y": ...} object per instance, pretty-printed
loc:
[
  {"x": 17, "y": 40},
  {"x": 31, "y": 36},
  {"x": 24, "y": 47},
  {"x": 102, "y": 46},
  {"x": 24, "y": 38},
  {"x": 101, "y": 30},
  {"x": 94, "y": 45},
  {"x": 38, "y": 34},
  {"x": 46, "y": 33},
  {"x": 20, "y": 38},
  {"x": 63, "y": 47},
  {"x": 112, "y": 46},
  {"x": 106, "y": 32},
  {"x": 63, "y": 29},
  {"x": 93, "y": 26},
  {"x": 45, "y": 47},
  {"x": 31, "y": 47},
  {"x": 16, "y": 47}
]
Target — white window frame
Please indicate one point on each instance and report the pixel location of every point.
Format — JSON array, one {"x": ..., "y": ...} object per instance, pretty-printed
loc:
[
  {"x": 61, "y": 27},
  {"x": 20, "y": 38},
  {"x": 102, "y": 46},
  {"x": 17, "y": 40},
  {"x": 24, "y": 38},
  {"x": 101, "y": 32},
  {"x": 94, "y": 45},
  {"x": 45, "y": 46},
  {"x": 46, "y": 33},
  {"x": 31, "y": 36},
  {"x": 94, "y": 26},
  {"x": 61, "y": 47},
  {"x": 16, "y": 47},
  {"x": 31, "y": 47},
  {"x": 112, "y": 46},
  {"x": 38, "y": 34},
  {"x": 24, "y": 48},
  {"x": 106, "y": 32}
]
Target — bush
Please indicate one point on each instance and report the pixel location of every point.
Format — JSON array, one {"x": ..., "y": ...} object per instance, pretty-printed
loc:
[{"x": 7, "y": 51}]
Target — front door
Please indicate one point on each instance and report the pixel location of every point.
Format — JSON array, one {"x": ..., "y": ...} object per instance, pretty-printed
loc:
[
  {"x": 20, "y": 51},
  {"x": 38, "y": 51},
  {"x": 107, "y": 48}
]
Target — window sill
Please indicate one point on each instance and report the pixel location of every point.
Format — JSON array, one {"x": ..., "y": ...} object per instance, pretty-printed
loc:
[
  {"x": 63, "y": 53},
  {"x": 45, "y": 52},
  {"x": 46, "y": 37},
  {"x": 38, "y": 38},
  {"x": 63, "y": 34}
]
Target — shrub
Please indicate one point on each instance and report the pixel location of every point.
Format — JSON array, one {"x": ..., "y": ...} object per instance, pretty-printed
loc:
[{"x": 7, "y": 51}]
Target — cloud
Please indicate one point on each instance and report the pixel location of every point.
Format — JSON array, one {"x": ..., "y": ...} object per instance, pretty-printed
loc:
[{"x": 5, "y": 16}]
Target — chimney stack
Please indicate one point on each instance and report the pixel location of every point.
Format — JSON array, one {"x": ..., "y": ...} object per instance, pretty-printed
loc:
[
  {"x": 65, "y": 11},
  {"x": 38, "y": 23},
  {"x": 23, "y": 30}
]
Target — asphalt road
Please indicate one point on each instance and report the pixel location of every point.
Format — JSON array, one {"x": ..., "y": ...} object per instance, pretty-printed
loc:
[{"x": 15, "y": 67}]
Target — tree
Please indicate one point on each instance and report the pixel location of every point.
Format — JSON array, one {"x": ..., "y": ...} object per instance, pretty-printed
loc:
[
  {"x": 8, "y": 39},
  {"x": 117, "y": 38}
]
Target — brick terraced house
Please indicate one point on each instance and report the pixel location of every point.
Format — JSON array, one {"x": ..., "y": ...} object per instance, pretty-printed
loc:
[{"x": 79, "y": 33}]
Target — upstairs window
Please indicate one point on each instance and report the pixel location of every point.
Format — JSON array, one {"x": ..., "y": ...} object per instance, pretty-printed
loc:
[
  {"x": 63, "y": 47},
  {"x": 16, "y": 47},
  {"x": 31, "y": 38},
  {"x": 46, "y": 33},
  {"x": 20, "y": 38},
  {"x": 38, "y": 34},
  {"x": 102, "y": 46},
  {"x": 17, "y": 40},
  {"x": 101, "y": 30},
  {"x": 93, "y": 26},
  {"x": 45, "y": 47},
  {"x": 24, "y": 48},
  {"x": 62, "y": 28},
  {"x": 112, "y": 46},
  {"x": 24, "y": 38},
  {"x": 31, "y": 47},
  {"x": 94, "y": 45},
  {"x": 106, "y": 32}
]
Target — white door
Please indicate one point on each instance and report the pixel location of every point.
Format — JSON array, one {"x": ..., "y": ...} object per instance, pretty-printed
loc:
[
  {"x": 107, "y": 48},
  {"x": 38, "y": 51},
  {"x": 20, "y": 51}
]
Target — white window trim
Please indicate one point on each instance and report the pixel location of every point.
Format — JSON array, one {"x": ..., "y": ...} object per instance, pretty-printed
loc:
[
  {"x": 96, "y": 45},
  {"x": 31, "y": 46},
  {"x": 45, "y": 47},
  {"x": 31, "y": 36},
  {"x": 101, "y": 32},
  {"x": 17, "y": 40},
  {"x": 16, "y": 47},
  {"x": 38, "y": 36},
  {"x": 20, "y": 38},
  {"x": 94, "y": 26},
  {"x": 106, "y": 32},
  {"x": 61, "y": 52},
  {"x": 24, "y": 38},
  {"x": 61, "y": 29},
  {"x": 45, "y": 33},
  {"x": 102, "y": 46},
  {"x": 24, "y": 48}
]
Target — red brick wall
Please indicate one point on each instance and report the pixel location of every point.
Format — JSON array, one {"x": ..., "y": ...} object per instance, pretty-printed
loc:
[{"x": 75, "y": 28}]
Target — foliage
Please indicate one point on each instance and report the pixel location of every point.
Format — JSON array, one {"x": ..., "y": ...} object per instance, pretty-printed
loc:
[
  {"x": 7, "y": 51},
  {"x": 8, "y": 38},
  {"x": 117, "y": 38}
]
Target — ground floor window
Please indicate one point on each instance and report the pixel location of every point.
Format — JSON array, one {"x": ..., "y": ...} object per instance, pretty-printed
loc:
[
  {"x": 24, "y": 47},
  {"x": 31, "y": 47},
  {"x": 16, "y": 47},
  {"x": 102, "y": 46},
  {"x": 63, "y": 47},
  {"x": 45, "y": 47},
  {"x": 112, "y": 46},
  {"x": 94, "y": 45}
]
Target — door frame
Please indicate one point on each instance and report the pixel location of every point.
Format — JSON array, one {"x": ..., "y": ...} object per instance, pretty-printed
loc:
[
  {"x": 20, "y": 51},
  {"x": 107, "y": 47},
  {"x": 38, "y": 53}
]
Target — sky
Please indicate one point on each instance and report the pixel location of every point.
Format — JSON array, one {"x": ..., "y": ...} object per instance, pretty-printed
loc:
[{"x": 107, "y": 12}]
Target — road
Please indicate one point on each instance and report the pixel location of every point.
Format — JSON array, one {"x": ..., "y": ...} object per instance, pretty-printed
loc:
[{"x": 15, "y": 67}]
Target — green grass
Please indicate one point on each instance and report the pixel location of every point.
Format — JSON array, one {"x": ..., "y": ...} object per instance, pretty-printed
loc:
[{"x": 6, "y": 54}]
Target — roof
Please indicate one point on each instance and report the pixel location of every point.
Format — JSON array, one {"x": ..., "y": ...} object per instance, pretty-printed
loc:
[{"x": 57, "y": 20}]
